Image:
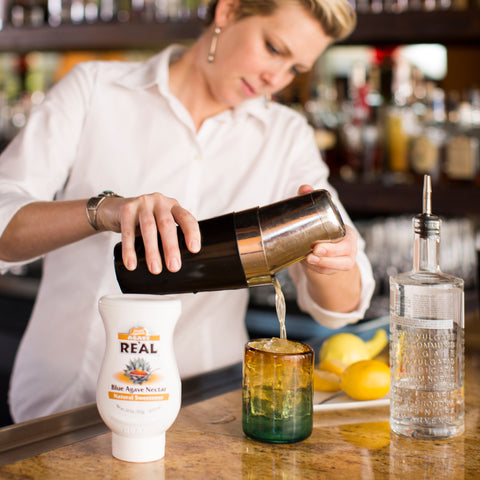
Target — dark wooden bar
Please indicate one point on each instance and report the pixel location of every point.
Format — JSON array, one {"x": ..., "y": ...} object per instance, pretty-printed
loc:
[
  {"x": 446, "y": 27},
  {"x": 380, "y": 198}
]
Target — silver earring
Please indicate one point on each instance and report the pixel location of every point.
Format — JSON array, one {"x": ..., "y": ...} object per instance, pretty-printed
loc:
[{"x": 213, "y": 45}]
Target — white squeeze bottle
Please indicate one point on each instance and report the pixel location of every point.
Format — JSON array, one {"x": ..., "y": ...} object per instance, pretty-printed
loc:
[{"x": 139, "y": 388}]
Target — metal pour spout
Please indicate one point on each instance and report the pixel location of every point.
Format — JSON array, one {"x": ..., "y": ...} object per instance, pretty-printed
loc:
[
  {"x": 426, "y": 224},
  {"x": 427, "y": 195}
]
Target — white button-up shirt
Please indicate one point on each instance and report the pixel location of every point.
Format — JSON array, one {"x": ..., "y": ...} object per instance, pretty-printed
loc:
[{"x": 116, "y": 126}]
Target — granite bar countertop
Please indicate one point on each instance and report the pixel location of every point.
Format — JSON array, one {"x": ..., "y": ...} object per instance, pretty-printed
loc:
[{"x": 207, "y": 442}]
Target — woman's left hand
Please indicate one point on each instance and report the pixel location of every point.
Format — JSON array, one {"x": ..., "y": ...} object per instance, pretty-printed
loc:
[
  {"x": 332, "y": 257},
  {"x": 333, "y": 277}
]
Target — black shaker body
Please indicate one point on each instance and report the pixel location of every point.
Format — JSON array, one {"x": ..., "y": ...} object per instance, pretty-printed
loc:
[{"x": 217, "y": 266}]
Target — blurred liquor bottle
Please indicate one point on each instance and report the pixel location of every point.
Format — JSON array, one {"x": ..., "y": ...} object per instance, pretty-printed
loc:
[
  {"x": 123, "y": 11},
  {"x": 475, "y": 102},
  {"x": 462, "y": 156},
  {"x": 360, "y": 130},
  {"x": 324, "y": 114},
  {"x": 460, "y": 5},
  {"x": 400, "y": 122},
  {"x": 427, "y": 144},
  {"x": 107, "y": 10},
  {"x": 77, "y": 11},
  {"x": 374, "y": 132},
  {"x": 92, "y": 11},
  {"x": 355, "y": 115}
]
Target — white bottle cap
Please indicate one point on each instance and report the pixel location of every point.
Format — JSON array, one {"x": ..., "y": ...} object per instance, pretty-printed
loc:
[{"x": 138, "y": 450}]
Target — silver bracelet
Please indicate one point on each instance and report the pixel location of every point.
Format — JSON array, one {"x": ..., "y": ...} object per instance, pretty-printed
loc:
[{"x": 93, "y": 204}]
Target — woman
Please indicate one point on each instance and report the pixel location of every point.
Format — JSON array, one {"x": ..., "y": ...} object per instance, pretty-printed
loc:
[{"x": 195, "y": 125}]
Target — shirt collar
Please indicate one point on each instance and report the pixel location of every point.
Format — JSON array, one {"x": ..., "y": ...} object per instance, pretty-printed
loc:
[
  {"x": 152, "y": 72},
  {"x": 155, "y": 71}
]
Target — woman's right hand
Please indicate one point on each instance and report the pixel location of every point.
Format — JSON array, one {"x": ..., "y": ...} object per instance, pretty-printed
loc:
[{"x": 149, "y": 215}]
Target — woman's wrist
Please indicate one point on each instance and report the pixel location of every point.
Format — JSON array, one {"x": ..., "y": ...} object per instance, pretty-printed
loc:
[{"x": 93, "y": 204}]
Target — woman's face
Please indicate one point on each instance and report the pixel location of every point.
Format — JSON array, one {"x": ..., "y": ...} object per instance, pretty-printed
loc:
[{"x": 260, "y": 55}]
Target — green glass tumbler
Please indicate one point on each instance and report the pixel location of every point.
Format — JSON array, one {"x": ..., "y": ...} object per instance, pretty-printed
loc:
[{"x": 277, "y": 393}]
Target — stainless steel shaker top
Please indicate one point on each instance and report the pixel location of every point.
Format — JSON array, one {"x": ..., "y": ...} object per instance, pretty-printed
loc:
[{"x": 284, "y": 233}]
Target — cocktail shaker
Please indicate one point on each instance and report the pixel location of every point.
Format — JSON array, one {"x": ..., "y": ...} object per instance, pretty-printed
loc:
[{"x": 240, "y": 249}]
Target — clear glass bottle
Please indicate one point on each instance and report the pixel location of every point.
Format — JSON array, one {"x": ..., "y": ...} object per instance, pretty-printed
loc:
[{"x": 427, "y": 339}]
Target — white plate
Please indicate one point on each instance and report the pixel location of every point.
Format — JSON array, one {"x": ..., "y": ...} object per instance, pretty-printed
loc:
[{"x": 344, "y": 402}]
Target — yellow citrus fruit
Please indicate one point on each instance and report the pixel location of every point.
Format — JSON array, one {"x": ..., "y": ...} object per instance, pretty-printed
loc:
[
  {"x": 349, "y": 348},
  {"x": 345, "y": 347},
  {"x": 366, "y": 380},
  {"x": 325, "y": 381},
  {"x": 376, "y": 345},
  {"x": 332, "y": 365}
]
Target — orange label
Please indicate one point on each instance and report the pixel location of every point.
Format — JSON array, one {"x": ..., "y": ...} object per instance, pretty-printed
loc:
[
  {"x": 138, "y": 397},
  {"x": 138, "y": 334},
  {"x": 138, "y": 331}
]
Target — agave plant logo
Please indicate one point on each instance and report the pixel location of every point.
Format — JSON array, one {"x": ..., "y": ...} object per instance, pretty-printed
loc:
[{"x": 138, "y": 370}]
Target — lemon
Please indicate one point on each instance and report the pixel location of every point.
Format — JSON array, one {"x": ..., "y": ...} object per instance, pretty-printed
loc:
[
  {"x": 332, "y": 365},
  {"x": 366, "y": 380},
  {"x": 377, "y": 343},
  {"x": 325, "y": 381},
  {"x": 345, "y": 347},
  {"x": 349, "y": 348}
]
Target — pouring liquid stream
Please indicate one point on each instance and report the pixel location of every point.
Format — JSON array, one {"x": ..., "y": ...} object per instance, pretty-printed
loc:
[{"x": 280, "y": 307}]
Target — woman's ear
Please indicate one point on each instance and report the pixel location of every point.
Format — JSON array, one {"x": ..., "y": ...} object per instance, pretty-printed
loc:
[{"x": 225, "y": 12}]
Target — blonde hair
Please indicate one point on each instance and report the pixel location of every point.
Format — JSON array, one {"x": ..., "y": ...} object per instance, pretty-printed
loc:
[{"x": 336, "y": 17}]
